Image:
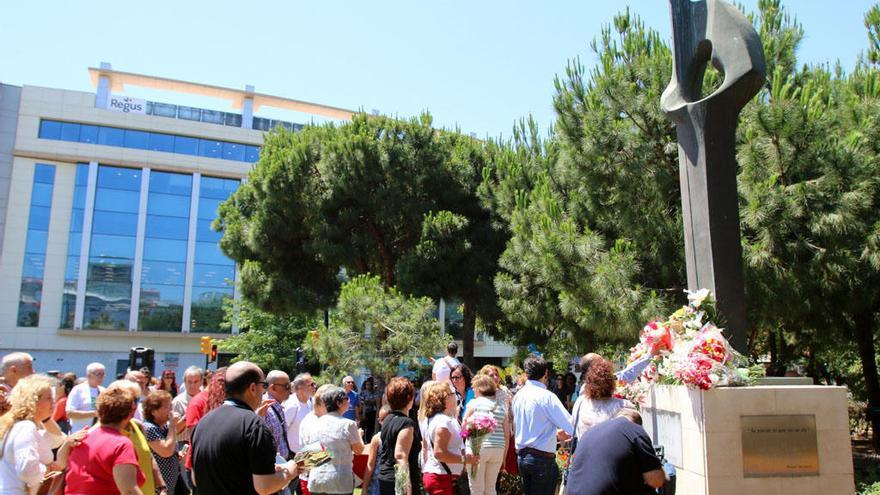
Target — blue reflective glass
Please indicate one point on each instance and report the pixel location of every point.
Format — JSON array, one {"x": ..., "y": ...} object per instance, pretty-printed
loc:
[
  {"x": 111, "y": 136},
  {"x": 76, "y": 220},
  {"x": 71, "y": 272},
  {"x": 107, "y": 306},
  {"x": 251, "y": 153},
  {"x": 88, "y": 134},
  {"x": 169, "y": 205},
  {"x": 163, "y": 272},
  {"x": 41, "y": 194},
  {"x": 215, "y": 187},
  {"x": 110, "y": 271},
  {"x": 210, "y": 149},
  {"x": 39, "y": 219},
  {"x": 161, "y": 142},
  {"x": 167, "y": 183},
  {"x": 50, "y": 129},
  {"x": 36, "y": 241},
  {"x": 204, "y": 232},
  {"x": 119, "y": 178},
  {"x": 186, "y": 145},
  {"x": 114, "y": 223},
  {"x": 213, "y": 275},
  {"x": 151, "y": 294},
  {"x": 167, "y": 227},
  {"x": 79, "y": 197},
  {"x": 164, "y": 250},
  {"x": 82, "y": 174},
  {"x": 112, "y": 246},
  {"x": 44, "y": 174},
  {"x": 74, "y": 244},
  {"x": 209, "y": 252},
  {"x": 33, "y": 265},
  {"x": 69, "y": 131},
  {"x": 117, "y": 200},
  {"x": 137, "y": 139},
  {"x": 233, "y": 151},
  {"x": 210, "y": 296},
  {"x": 208, "y": 208}
]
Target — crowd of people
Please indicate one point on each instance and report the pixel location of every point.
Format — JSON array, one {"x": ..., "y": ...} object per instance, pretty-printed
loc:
[{"x": 237, "y": 431}]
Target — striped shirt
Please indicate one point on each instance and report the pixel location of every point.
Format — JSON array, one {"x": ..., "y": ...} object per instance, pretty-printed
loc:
[{"x": 498, "y": 410}]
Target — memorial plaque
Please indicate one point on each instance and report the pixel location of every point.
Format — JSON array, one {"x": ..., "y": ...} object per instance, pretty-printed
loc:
[
  {"x": 779, "y": 446},
  {"x": 664, "y": 428}
]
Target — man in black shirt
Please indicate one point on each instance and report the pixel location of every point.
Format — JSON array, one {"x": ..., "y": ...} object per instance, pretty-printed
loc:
[
  {"x": 233, "y": 449},
  {"x": 615, "y": 457}
]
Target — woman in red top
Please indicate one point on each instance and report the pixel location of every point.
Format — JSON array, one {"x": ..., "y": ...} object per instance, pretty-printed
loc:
[
  {"x": 60, "y": 413},
  {"x": 106, "y": 463}
]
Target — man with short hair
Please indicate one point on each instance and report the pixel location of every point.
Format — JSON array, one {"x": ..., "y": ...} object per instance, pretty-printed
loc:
[
  {"x": 80, "y": 405},
  {"x": 192, "y": 385},
  {"x": 540, "y": 420},
  {"x": 233, "y": 452},
  {"x": 13, "y": 367},
  {"x": 354, "y": 401},
  {"x": 279, "y": 391},
  {"x": 615, "y": 457},
  {"x": 297, "y": 407},
  {"x": 443, "y": 366}
]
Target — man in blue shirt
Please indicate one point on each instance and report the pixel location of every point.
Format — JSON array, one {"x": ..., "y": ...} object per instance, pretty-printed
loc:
[
  {"x": 354, "y": 411},
  {"x": 540, "y": 420}
]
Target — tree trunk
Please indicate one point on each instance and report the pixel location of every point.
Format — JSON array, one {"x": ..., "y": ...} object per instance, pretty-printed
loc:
[
  {"x": 864, "y": 334},
  {"x": 468, "y": 324},
  {"x": 775, "y": 357}
]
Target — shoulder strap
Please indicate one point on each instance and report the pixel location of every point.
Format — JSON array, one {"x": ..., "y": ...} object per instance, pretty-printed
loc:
[
  {"x": 431, "y": 443},
  {"x": 283, "y": 428}
]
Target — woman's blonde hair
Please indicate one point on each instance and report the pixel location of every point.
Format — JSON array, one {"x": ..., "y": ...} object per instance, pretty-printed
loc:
[
  {"x": 435, "y": 398},
  {"x": 423, "y": 398},
  {"x": 23, "y": 399},
  {"x": 491, "y": 367}
]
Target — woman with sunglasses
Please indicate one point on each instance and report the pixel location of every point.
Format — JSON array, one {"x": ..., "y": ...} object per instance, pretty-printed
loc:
[{"x": 168, "y": 382}]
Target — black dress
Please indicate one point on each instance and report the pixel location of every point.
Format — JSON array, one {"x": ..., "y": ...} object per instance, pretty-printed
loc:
[{"x": 394, "y": 423}]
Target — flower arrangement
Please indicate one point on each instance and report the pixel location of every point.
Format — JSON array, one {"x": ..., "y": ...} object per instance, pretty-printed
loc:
[
  {"x": 689, "y": 350},
  {"x": 475, "y": 429}
]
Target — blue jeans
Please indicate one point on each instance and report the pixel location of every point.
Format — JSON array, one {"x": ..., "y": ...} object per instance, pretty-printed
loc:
[{"x": 539, "y": 474}]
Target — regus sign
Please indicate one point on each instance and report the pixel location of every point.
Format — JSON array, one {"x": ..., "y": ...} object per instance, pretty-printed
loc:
[{"x": 127, "y": 105}]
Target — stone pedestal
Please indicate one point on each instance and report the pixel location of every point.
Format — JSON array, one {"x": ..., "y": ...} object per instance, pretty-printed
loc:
[{"x": 771, "y": 440}]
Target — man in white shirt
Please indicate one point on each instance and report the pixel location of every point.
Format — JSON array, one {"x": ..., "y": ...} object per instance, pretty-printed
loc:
[
  {"x": 13, "y": 368},
  {"x": 443, "y": 366},
  {"x": 81, "y": 400},
  {"x": 192, "y": 385},
  {"x": 297, "y": 407},
  {"x": 540, "y": 420}
]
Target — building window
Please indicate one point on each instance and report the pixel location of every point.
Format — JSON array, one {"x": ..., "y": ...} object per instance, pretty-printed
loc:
[
  {"x": 111, "y": 256},
  {"x": 71, "y": 272},
  {"x": 165, "y": 242},
  {"x": 35, "y": 246},
  {"x": 213, "y": 272},
  {"x": 143, "y": 140}
]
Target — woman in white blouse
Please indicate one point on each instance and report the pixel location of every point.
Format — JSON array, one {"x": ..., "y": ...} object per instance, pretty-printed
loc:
[
  {"x": 27, "y": 436},
  {"x": 446, "y": 456}
]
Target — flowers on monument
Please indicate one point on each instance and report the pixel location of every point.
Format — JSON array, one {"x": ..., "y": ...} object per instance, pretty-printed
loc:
[
  {"x": 474, "y": 430},
  {"x": 689, "y": 350}
]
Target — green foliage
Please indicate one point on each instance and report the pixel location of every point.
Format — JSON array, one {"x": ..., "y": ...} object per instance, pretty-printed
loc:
[
  {"x": 376, "y": 328},
  {"x": 267, "y": 340}
]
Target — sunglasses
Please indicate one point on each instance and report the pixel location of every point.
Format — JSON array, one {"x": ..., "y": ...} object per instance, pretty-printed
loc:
[
  {"x": 455, "y": 378},
  {"x": 285, "y": 386}
]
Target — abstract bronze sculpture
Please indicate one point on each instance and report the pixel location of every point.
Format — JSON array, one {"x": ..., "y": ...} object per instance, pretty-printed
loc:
[{"x": 712, "y": 31}]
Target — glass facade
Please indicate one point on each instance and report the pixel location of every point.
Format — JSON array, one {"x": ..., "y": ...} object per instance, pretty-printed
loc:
[
  {"x": 152, "y": 141},
  {"x": 35, "y": 246},
  {"x": 71, "y": 272},
  {"x": 112, "y": 250},
  {"x": 213, "y": 272},
  {"x": 165, "y": 241}
]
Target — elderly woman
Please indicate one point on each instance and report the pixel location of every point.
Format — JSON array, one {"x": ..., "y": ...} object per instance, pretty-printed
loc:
[
  {"x": 106, "y": 462},
  {"x": 28, "y": 435},
  {"x": 489, "y": 402},
  {"x": 340, "y": 437},
  {"x": 308, "y": 431},
  {"x": 401, "y": 441},
  {"x": 598, "y": 403},
  {"x": 161, "y": 431},
  {"x": 446, "y": 457}
]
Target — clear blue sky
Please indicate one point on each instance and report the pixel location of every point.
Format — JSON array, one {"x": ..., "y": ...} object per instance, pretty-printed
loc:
[{"x": 479, "y": 65}]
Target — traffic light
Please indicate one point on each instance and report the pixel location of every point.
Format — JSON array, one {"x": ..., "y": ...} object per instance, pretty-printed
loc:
[
  {"x": 213, "y": 355},
  {"x": 205, "y": 345}
]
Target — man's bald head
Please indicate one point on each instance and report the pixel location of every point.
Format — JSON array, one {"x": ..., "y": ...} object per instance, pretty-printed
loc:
[
  {"x": 240, "y": 376},
  {"x": 587, "y": 360},
  {"x": 15, "y": 366}
]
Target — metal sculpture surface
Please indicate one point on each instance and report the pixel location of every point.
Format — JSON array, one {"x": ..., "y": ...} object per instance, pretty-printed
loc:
[{"x": 712, "y": 31}]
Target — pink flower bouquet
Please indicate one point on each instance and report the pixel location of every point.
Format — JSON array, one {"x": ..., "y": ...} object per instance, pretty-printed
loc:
[{"x": 475, "y": 429}]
